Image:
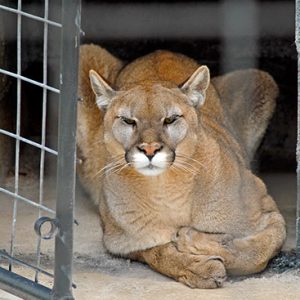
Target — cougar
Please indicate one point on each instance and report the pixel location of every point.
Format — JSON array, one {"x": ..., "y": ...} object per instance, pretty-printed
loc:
[{"x": 166, "y": 154}]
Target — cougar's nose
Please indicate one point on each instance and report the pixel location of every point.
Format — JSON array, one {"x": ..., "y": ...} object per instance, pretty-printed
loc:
[{"x": 150, "y": 149}]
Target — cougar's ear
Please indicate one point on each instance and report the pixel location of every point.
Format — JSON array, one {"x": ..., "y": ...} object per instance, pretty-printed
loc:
[
  {"x": 196, "y": 86},
  {"x": 102, "y": 90}
]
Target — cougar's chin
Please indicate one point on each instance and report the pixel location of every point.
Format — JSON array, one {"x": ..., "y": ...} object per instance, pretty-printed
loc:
[
  {"x": 151, "y": 170},
  {"x": 154, "y": 167}
]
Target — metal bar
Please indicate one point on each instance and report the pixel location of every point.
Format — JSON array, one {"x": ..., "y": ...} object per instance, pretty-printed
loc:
[
  {"x": 24, "y": 264},
  {"x": 17, "y": 137},
  {"x": 71, "y": 14},
  {"x": 298, "y": 137},
  {"x": 17, "y": 261},
  {"x": 50, "y": 88},
  {"x": 18, "y": 128},
  {"x": 23, "y": 287},
  {"x": 22, "y": 13},
  {"x": 30, "y": 202},
  {"x": 240, "y": 18},
  {"x": 43, "y": 134}
]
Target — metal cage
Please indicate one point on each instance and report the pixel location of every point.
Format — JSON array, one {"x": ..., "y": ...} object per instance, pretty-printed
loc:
[{"x": 61, "y": 218}]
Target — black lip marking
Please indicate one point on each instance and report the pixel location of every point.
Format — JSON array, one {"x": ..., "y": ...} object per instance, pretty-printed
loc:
[
  {"x": 173, "y": 156},
  {"x": 126, "y": 156}
]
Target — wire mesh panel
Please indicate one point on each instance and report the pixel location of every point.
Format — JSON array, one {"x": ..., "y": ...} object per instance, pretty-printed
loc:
[{"x": 39, "y": 45}]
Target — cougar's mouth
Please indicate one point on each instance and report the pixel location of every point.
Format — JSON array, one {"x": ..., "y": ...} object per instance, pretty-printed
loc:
[
  {"x": 153, "y": 166},
  {"x": 151, "y": 170}
]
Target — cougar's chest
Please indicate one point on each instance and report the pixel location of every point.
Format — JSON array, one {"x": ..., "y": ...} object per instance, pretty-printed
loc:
[
  {"x": 159, "y": 201},
  {"x": 173, "y": 205}
]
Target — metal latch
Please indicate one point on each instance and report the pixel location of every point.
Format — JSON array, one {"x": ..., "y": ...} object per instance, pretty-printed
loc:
[{"x": 46, "y": 227}]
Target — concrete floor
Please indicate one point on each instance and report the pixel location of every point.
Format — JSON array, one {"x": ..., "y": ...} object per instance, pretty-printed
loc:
[{"x": 99, "y": 276}]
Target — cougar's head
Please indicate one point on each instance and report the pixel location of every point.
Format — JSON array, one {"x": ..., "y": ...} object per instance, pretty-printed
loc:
[{"x": 151, "y": 125}]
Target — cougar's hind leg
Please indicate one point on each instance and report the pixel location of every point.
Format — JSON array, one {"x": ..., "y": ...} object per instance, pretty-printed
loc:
[
  {"x": 249, "y": 97},
  {"x": 242, "y": 256},
  {"x": 254, "y": 251}
]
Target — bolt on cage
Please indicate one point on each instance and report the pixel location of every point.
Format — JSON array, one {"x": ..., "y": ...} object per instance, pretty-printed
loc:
[{"x": 62, "y": 220}]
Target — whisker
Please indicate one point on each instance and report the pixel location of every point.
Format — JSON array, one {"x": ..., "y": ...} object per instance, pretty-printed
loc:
[
  {"x": 175, "y": 169},
  {"x": 117, "y": 156},
  {"x": 192, "y": 159},
  {"x": 105, "y": 170},
  {"x": 189, "y": 166},
  {"x": 109, "y": 167},
  {"x": 113, "y": 171},
  {"x": 112, "y": 164},
  {"x": 120, "y": 169},
  {"x": 184, "y": 168},
  {"x": 126, "y": 165}
]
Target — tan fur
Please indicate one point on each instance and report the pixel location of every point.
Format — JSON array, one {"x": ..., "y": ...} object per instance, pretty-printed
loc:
[{"x": 191, "y": 223}]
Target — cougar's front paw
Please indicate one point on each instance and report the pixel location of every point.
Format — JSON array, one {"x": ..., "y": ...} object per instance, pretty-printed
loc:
[
  {"x": 184, "y": 240},
  {"x": 204, "y": 273},
  {"x": 190, "y": 240}
]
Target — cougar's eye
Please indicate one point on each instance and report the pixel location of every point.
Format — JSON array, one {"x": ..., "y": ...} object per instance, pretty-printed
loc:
[
  {"x": 128, "y": 121},
  {"x": 171, "y": 119}
]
